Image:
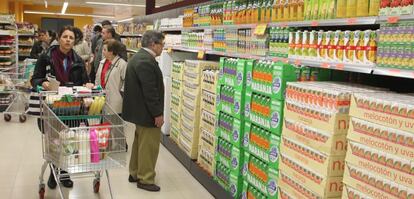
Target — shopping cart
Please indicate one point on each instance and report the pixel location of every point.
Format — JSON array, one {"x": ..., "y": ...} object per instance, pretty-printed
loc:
[{"x": 80, "y": 136}]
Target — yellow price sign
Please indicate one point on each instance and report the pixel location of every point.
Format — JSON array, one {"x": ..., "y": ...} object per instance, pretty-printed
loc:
[
  {"x": 200, "y": 54},
  {"x": 169, "y": 50},
  {"x": 260, "y": 29}
]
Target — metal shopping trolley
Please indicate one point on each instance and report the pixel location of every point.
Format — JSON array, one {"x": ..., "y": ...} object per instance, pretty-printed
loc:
[{"x": 81, "y": 135}]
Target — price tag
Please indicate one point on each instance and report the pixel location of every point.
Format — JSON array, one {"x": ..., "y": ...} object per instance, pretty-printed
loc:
[
  {"x": 298, "y": 62},
  {"x": 283, "y": 24},
  {"x": 325, "y": 65},
  {"x": 351, "y": 21},
  {"x": 340, "y": 66},
  {"x": 394, "y": 72},
  {"x": 275, "y": 59},
  {"x": 169, "y": 50},
  {"x": 285, "y": 60},
  {"x": 200, "y": 54},
  {"x": 260, "y": 29},
  {"x": 393, "y": 19},
  {"x": 314, "y": 23}
]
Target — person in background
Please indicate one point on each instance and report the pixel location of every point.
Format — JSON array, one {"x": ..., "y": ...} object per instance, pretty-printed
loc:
[
  {"x": 108, "y": 32},
  {"x": 53, "y": 38},
  {"x": 116, "y": 35},
  {"x": 41, "y": 45},
  {"x": 97, "y": 30},
  {"x": 143, "y": 105},
  {"x": 111, "y": 74},
  {"x": 81, "y": 47},
  {"x": 63, "y": 63}
]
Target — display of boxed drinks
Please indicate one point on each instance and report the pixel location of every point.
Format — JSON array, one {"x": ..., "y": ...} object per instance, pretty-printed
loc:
[
  {"x": 324, "y": 186},
  {"x": 325, "y": 142},
  {"x": 381, "y": 164},
  {"x": 262, "y": 143},
  {"x": 230, "y": 129},
  {"x": 265, "y": 112},
  {"x": 325, "y": 165}
]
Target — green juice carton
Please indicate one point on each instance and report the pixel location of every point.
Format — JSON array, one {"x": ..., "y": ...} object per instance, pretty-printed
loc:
[{"x": 230, "y": 129}]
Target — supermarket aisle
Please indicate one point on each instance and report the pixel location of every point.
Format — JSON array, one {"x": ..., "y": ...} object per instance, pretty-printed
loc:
[{"x": 21, "y": 159}]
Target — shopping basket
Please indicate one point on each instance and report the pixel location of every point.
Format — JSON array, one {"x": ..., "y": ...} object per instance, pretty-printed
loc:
[{"x": 81, "y": 135}]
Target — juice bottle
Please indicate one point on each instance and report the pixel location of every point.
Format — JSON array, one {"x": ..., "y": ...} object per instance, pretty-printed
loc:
[
  {"x": 371, "y": 49},
  {"x": 330, "y": 45},
  {"x": 263, "y": 10},
  {"x": 314, "y": 9},
  {"x": 362, "y": 8},
  {"x": 305, "y": 43},
  {"x": 321, "y": 41},
  {"x": 293, "y": 10},
  {"x": 322, "y": 9},
  {"x": 351, "y": 6},
  {"x": 286, "y": 10},
  {"x": 274, "y": 11},
  {"x": 359, "y": 47},
  {"x": 269, "y": 9},
  {"x": 313, "y": 44},
  {"x": 255, "y": 15},
  {"x": 349, "y": 46},
  {"x": 280, "y": 11},
  {"x": 339, "y": 51},
  {"x": 341, "y": 8},
  {"x": 292, "y": 45},
  {"x": 300, "y": 10},
  {"x": 374, "y": 6},
  {"x": 298, "y": 43},
  {"x": 285, "y": 42}
]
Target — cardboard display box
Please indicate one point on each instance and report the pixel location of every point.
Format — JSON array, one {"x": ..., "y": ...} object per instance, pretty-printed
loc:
[
  {"x": 210, "y": 85},
  {"x": 387, "y": 112},
  {"x": 331, "y": 122},
  {"x": 231, "y": 182},
  {"x": 279, "y": 72},
  {"x": 323, "y": 164},
  {"x": 174, "y": 134},
  {"x": 328, "y": 143},
  {"x": 273, "y": 120},
  {"x": 381, "y": 164},
  {"x": 350, "y": 192},
  {"x": 175, "y": 102},
  {"x": 191, "y": 110},
  {"x": 234, "y": 157},
  {"x": 191, "y": 91},
  {"x": 208, "y": 121},
  {"x": 177, "y": 70},
  {"x": 177, "y": 86},
  {"x": 267, "y": 182},
  {"x": 236, "y": 106},
  {"x": 207, "y": 141},
  {"x": 322, "y": 185},
  {"x": 175, "y": 117},
  {"x": 197, "y": 66},
  {"x": 206, "y": 160},
  {"x": 389, "y": 140},
  {"x": 374, "y": 186},
  {"x": 239, "y": 77},
  {"x": 230, "y": 129},
  {"x": 208, "y": 101},
  {"x": 263, "y": 147},
  {"x": 190, "y": 149}
]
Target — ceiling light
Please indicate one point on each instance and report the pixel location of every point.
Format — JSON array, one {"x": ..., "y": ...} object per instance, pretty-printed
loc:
[
  {"x": 127, "y": 19},
  {"x": 45, "y": 3},
  {"x": 114, "y": 4},
  {"x": 65, "y": 5},
  {"x": 68, "y": 14}
]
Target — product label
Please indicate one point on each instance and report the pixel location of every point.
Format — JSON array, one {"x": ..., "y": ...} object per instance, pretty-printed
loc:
[{"x": 277, "y": 83}]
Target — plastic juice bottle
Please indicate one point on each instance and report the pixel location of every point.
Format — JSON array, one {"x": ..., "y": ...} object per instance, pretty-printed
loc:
[
  {"x": 313, "y": 41},
  {"x": 300, "y": 10},
  {"x": 286, "y": 10},
  {"x": 339, "y": 46},
  {"x": 321, "y": 41},
  {"x": 255, "y": 15},
  {"x": 269, "y": 9},
  {"x": 293, "y": 10},
  {"x": 359, "y": 47},
  {"x": 274, "y": 11},
  {"x": 298, "y": 43},
  {"x": 280, "y": 10},
  {"x": 292, "y": 45},
  {"x": 263, "y": 9},
  {"x": 374, "y": 6},
  {"x": 371, "y": 50},
  {"x": 341, "y": 8},
  {"x": 351, "y": 6},
  {"x": 330, "y": 37},
  {"x": 349, "y": 46},
  {"x": 362, "y": 8},
  {"x": 305, "y": 43}
]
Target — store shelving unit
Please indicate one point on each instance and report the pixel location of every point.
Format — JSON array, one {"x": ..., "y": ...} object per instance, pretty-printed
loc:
[
  {"x": 131, "y": 35},
  {"x": 21, "y": 46},
  {"x": 12, "y": 46}
]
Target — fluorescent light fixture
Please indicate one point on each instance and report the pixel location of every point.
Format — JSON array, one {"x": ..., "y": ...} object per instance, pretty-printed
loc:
[
  {"x": 68, "y": 14},
  {"x": 45, "y": 3},
  {"x": 127, "y": 19},
  {"x": 65, "y": 6},
  {"x": 116, "y": 4}
]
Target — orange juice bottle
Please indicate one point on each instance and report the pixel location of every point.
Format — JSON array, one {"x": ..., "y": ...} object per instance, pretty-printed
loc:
[
  {"x": 341, "y": 8},
  {"x": 262, "y": 11},
  {"x": 280, "y": 10},
  {"x": 351, "y": 6},
  {"x": 255, "y": 15},
  {"x": 248, "y": 14},
  {"x": 359, "y": 47},
  {"x": 293, "y": 10},
  {"x": 286, "y": 10},
  {"x": 300, "y": 10},
  {"x": 274, "y": 10},
  {"x": 269, "y": 9},
  {"x": 362, "y": 8},
  {"x": 374, "y": 7}
]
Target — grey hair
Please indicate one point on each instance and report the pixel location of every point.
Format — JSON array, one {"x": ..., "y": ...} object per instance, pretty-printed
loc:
[{"x": 151, "y": 37}]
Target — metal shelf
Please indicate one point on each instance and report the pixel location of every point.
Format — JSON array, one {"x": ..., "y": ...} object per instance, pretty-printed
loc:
[
  {"x": 7, "y": 46},
  {"x": 327, "y": 22},
  {"x": 382, "y": 19},
  {"x": 131, "y": 35},
  {"x": 171, "y": 29},
  {"x": 26, "y": 35},
  {"x": 394, "y": 72},
  {"x": 352, "y": 67}
]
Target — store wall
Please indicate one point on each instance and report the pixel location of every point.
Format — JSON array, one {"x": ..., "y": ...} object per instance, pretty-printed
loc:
[
  {"x": 4, "y": 7},
  {"x": 78, "y": 21}
]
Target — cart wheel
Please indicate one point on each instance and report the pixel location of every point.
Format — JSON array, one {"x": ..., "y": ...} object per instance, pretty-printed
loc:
[
  {"x": 42, "y": 192},
  {"x": 22, "y": 118},
  {"x": 7, "y": 117},
  {"x": 96, "y": 184}
]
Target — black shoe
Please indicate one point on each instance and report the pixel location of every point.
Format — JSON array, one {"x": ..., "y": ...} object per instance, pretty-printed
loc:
[
  {"x": 51, "y": 183},
  {"x": 68, "y": 183},
  {"x": 132, "y": 179},
  {"x": 148, "y": 187}
]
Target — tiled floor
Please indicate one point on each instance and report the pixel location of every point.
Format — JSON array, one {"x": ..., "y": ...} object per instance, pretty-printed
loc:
[{"x": 21, "y": 159}]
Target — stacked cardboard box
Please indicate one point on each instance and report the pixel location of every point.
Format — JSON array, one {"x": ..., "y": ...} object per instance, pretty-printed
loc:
[
  {"x": 206, "y": 148},
  {"x": 230, "y": 123},
  {"x": 190, "y": 109},
  {"x": 313, "y": 144},
  {"x": 177, "y": 71},
  {"x": 380, "y": 157}
]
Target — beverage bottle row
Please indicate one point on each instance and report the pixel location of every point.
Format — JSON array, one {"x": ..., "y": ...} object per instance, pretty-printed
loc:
[
  {"x": 260, "y": 137},
  {"x": 258, "y": 168},
  {"x": 224, "y": 148},
  {"x": 279, "y": 41},
  {"x": 227, "y": 94},
  {"x": 254, "y": 193},
  {"x": 263, "y": 75},
  {"x": 230, "y": 66},
  {"x": 223, "y": 172},
  {"x": 261, "y": 105},
  {"x": 226, "y": 121}
]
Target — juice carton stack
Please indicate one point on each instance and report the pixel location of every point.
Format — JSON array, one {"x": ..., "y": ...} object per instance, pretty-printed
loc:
[
  {"x": 358, "y": 47},
  {"x": 279, "y": 42},
  {"x": 190, "y": 109},
  {"x": 219, "y": 40},
  {"x": 207, "y": 141},
  {"x": 313, "y": 143},
  {"x": 177, "y": 71},
  {"x": 380, "y": 157},
  {"x": 264, "y": 112},
  {"x": 394, "y": 46},
  {"x": 230, "y": 119}
]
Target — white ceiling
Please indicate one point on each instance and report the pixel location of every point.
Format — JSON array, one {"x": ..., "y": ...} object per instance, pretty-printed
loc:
[{"x": 120, "y": 12}]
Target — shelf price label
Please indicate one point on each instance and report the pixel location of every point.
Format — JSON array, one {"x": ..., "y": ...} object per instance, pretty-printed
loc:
[
  {"x": 314, "y": 23},
  {"x": 340, "y": 66},
  {"x": 283, "y": 24},
  {"x": 298, "y": 62},
  {"x": 169, "y": 50},
  {"x": 260, "y": 29},
  {"x": 393, "y": 19},
  {"x": 200, "y": 54},
  {"x": 351, "y": 21},
  {"x": 394, "y": 72},
  {"x": 325, "y": 65}
]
